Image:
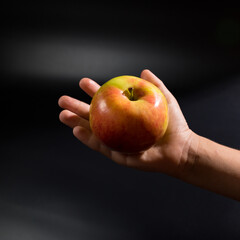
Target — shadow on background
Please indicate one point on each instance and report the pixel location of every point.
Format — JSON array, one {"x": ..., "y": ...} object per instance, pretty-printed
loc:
[{"x": 53, "y": 187}]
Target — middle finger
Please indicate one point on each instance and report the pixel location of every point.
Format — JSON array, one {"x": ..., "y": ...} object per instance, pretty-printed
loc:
[{"x": 78, "y": 107}]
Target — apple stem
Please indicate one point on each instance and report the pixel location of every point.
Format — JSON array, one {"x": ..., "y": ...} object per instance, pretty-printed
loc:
[
  {"x": 131, "y": 97},
  {"x": 129, "y": 93}
]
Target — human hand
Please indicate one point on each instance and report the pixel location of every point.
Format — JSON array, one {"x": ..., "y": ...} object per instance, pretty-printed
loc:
[{"x": 169, "y": 155}]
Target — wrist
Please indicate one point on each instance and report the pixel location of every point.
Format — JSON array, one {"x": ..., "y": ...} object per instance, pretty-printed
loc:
[{"x": 190, "y": 155}]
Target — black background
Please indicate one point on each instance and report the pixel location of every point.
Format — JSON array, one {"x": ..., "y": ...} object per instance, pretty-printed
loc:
[{"x": 52, "y": 186}]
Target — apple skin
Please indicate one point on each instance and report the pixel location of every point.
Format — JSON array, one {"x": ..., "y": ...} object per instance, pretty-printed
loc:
[{"x": 128, "y": 114}]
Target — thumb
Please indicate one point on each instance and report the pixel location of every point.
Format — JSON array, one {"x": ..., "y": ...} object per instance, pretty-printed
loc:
[{"x": 149, "y": 76}]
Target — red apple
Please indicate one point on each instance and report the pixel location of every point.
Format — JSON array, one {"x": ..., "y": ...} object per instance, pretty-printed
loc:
[{"x": 128, "y": 114}]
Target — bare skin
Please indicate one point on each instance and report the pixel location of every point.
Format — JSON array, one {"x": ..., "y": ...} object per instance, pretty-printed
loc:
[{"x": 180, "y": 153}]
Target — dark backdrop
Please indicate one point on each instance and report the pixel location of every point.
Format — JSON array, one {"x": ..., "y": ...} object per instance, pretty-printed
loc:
[{"x": 52, "y": 186}]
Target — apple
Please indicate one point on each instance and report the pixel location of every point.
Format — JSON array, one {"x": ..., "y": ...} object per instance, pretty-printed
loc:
[{"x": 128, "y": 114}]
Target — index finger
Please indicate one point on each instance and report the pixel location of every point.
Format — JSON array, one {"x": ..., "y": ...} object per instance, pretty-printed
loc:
[{"x": 89, "y": 86}]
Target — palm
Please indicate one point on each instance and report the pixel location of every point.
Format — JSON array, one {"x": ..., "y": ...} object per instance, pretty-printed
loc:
[{"x": 164, "y": 156}]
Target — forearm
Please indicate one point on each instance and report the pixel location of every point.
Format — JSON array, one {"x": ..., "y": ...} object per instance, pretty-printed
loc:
[{"x": 214, "y": 167}]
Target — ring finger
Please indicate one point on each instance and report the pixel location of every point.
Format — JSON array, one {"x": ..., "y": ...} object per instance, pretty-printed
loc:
[{"x": 72, "y": 120}]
